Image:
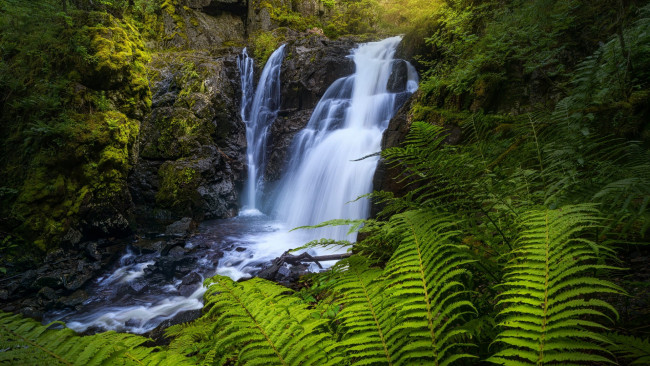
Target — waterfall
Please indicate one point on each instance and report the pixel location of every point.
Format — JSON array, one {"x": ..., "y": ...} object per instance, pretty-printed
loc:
[
  {"x": 258, "y": 113},
  {"x": 324, "y": 173}
]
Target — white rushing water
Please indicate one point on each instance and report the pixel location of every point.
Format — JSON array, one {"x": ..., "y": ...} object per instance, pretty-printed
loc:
[
  {"x": 324, "y": 174},
  {"x": 258, "y": 112}
]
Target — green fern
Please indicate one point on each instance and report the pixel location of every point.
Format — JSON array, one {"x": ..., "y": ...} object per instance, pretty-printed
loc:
[
  {"x": 634, "y": 350},
  {"x": 424, "y": 282},
  {"x": 259, "y": 324},
  {"x": 26, "y": 342},
  {"x": 550, "y": 314},
  {"x": 364, "y": 318}
]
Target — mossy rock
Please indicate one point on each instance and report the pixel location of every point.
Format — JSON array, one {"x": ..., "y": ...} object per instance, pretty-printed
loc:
[
  {"x": 178, "y": 183},
  {"x": 75, "y": 165}
]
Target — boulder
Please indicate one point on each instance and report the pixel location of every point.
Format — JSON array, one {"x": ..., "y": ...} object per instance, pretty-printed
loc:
[
  {"x": 180, "y": 227},
  {"x": 158, "y": 334},
  {"x": 192, "y": 145}
]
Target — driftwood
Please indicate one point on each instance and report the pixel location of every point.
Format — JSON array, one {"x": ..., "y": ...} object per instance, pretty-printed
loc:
[{"x": 289, "y": 258}]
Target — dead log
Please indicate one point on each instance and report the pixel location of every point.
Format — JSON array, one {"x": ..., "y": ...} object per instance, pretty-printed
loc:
[{"x": 289, "y": 258}]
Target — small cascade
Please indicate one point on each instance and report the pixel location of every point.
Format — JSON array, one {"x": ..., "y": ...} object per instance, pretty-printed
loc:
[
  {"x": 329, "y": 166},
  {"x": 258, "y": 112}
]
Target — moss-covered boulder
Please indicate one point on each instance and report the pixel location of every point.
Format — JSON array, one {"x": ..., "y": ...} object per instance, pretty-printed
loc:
[{"x": 193, "y": 143}]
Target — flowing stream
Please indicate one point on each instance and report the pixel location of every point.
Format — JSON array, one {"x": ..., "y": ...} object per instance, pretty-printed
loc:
[{"x": 332, "y": 162}]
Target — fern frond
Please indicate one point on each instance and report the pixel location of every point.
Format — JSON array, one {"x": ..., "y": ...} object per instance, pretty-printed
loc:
[
  {"x": 549, "y": 316},
  {"x": 26, "y": 342},
  {"x": 258, "y": 322},
  {"x": 424, "y": 280},
  {"x": 635, "y": 350},
  {"x": 364, "y": 321}
]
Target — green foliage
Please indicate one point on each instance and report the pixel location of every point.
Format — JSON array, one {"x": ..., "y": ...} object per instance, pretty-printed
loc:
[
  {"x": 77, "y": 87},
  {"x": 257, "y": 323},
  {"x": 550, "y": 315},
  {"x": 27, "y": 342},
  {"x": 634, "y": 350},
  {"x": 411, "y": 311},
  {"x": 264, "y": 44},
  {"x": 353, "y": 17}
]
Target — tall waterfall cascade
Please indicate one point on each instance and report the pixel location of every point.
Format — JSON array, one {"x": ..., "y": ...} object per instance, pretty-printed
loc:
[
  {"x": 258, "y": 111},
  {"x": 329, "y": 166}
]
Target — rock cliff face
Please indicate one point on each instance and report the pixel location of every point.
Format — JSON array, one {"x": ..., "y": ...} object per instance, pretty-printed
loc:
[
  {"x": 192, "y": 145},
  {"x": 202, "y": 24}
]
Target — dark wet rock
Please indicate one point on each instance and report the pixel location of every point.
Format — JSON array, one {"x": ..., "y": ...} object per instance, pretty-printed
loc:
[
  {"x": 47, "y": 295},
  {"x": 180, "y": 227},
  {"x": 240, "y": 249},
  {"x": 199, "y": 25},
  {"x": 132, "y": 323},
  {"x": 148, "y": 246},
  {"x": 4, "y": 294},
  {"x": 284, "y": 274},
  {"x": 74, "y": 299},
  {"x": 170, "y": 267},
  {"x": 177, "y": 251},
  {"x": 48, "y": 280},
  {"x": 388, "y": 178},
  {"x": 139, "y": 284},
  {"x": 72, "y": 237},
  {"x": 190, "y": 283},
  {"x": 32, "y": 311},
  {"x": 398, "y": 77},
  {"x": 158, "y": 334},
  {"x": 54, "y": 256},
  {"x": 91, "y": 250},
  {"x": 28, "y": 278},
  {"x": 83, "y": 273}
]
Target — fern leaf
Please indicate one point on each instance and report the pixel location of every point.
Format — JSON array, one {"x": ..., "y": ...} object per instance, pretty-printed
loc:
[
  {"x": 263, "y": 326},
  {"x": 547, "y": 316},
  {"x": 363, "y": 318},
  {"x": 635, "y": 350},
  {"x": 26, "y": 342},
  {"x": 423, "y": 279}
]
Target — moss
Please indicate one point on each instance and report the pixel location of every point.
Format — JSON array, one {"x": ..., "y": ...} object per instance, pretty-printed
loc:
[
  {"x": 178, "y": 184},
  {"x": 79, "y": 154},
  {"x": 170, "y": 7},
  {"x": 96, "y": 162},
  {"x": 264, "y": 43}
]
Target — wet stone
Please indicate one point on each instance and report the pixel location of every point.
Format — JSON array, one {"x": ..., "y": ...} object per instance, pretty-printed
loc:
[
  {"x": 138, "y": 285},
  {"x": 76, "y": 298}
]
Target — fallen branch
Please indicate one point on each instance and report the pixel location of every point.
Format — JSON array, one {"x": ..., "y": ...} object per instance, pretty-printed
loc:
[{"x": 289, "y": 258}]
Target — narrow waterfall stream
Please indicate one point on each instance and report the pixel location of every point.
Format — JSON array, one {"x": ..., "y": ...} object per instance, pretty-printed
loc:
[
  {"x": 328, "y": 168},
  {"x": 258, "y": 112}
]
